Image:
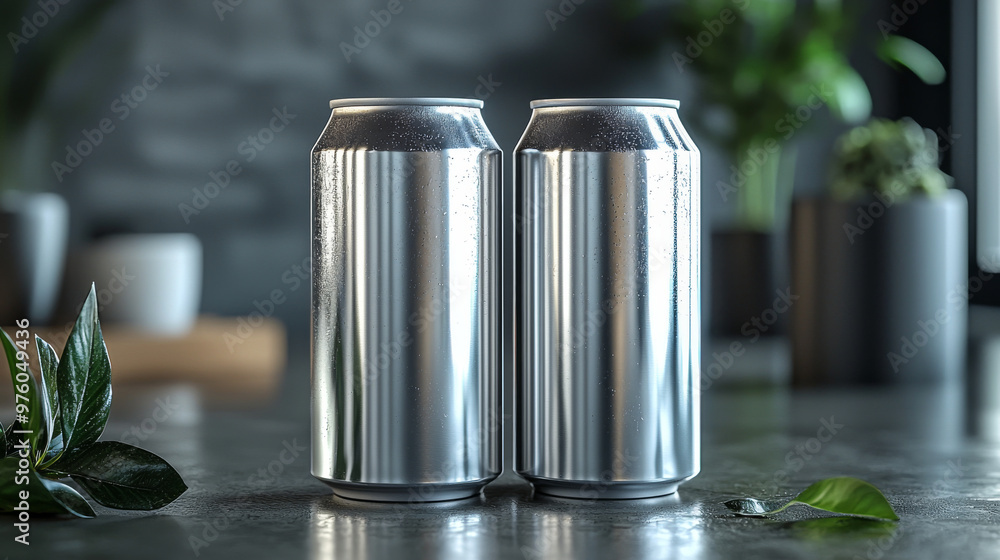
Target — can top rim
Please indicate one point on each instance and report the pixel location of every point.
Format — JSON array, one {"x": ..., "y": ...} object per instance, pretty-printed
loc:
[
  {"x": 389, "y": 101},
  {"x": 605, "y": 101}
]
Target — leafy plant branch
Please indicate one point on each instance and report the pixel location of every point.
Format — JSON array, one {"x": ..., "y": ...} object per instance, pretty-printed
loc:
[
  {"x": 56, "y": 432},
  {"x": 760, "y": 64}
]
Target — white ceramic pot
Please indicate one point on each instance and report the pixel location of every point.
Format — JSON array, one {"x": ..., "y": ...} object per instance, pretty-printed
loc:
[
  {"x": 33, "y": 231},
  {"x": 147, "y": 281}
]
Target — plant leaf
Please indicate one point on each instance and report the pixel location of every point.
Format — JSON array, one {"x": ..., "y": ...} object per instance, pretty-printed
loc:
[
  {"x": 847, "y": 495},
  {"x": 8, "y": 435},
  {"x": 851, "y": 101},
  {"x": 118, "y": 475},
  {"x": 911, "y": 54},
  {"x": 843, "y": 494},
  {"x": 84, "y": 379},
  {"x": 3, "y": 441},
  {"x": 49, "y": 364},
  {"x": 44, "y": 495},
  {"x": 65, "y": 496},
  {"x": 55, "y": 451},
  {"x": 38, "y": 413}
]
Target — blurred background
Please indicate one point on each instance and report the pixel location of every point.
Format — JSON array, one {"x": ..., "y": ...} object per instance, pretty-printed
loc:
[{"x": 196, "y": 117}]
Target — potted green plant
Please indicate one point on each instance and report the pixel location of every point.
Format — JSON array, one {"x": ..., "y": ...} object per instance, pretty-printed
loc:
[
  {"x": 34, "y": 224},
  {"x": 879, "y": 264},
  {"x": 764, "y": 70}
]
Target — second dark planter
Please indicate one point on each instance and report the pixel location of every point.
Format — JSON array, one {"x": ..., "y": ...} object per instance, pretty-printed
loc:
[{"x": 880, "y": 288}]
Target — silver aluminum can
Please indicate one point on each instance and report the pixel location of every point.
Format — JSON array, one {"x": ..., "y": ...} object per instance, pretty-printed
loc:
[
  {"x": 405, "y": 312},
  {"x": 607, "y": 287}
]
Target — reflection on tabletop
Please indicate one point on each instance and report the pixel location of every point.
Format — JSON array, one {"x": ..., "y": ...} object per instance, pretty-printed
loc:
[{"x": 507, "y": 516}]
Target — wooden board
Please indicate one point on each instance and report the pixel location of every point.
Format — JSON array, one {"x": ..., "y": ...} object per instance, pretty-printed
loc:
[{"x": 219, "y": 354}]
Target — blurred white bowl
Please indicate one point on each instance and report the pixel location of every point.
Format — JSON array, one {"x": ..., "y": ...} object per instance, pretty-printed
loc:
[{"x": 148, "y": 281}]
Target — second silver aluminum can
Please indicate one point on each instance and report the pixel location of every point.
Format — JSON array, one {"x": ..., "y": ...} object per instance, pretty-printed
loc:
[
  {"x": 607, "y": 287},
  {"x": 405, "y": 313}
]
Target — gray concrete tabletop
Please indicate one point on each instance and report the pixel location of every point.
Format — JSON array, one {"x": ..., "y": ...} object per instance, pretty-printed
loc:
[{"x": 251, "y": 495}]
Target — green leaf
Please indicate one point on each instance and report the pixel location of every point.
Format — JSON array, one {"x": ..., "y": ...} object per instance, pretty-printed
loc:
[
  {"x": 9, "y": 436},
  {"x": 910, "y": 54},
  {"x": 118, "y": 475},
  {"x": 63, "y": 495},
  {"x": 84, "y": 379},
  {"x": 49, "y": 364},
  {"x": 844, "y": 494},
  {"x": 851, "y": 101},
  {"x": 44, "y": 495},
  {"x": 52, "y": 456},
  {"x": 37, "y": 413},
  {"x": 3, "y": 441}
]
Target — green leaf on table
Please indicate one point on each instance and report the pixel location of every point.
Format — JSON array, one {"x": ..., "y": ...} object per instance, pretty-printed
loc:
[
  {"x": 37, "y": 414},
  {"x": 57, "y": 495},
  {"x": 44, "y": 495},
  {"x": 62, "y": 416},
  {"x": 49, "y": 364},
  {"x": 84, "y": 379},
  {"x": 910, "y": 54},
  {"x": 845, "y": 495},
  {"x": 118, "y": 475}
]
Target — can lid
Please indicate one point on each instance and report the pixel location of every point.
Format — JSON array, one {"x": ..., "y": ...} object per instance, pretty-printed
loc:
[
  {"x": 606, "y": 101},
  {"x": 388, "y": 101}
]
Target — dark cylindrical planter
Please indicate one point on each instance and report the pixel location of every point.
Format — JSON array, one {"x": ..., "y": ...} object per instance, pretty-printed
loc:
[
  {"x": 748, "y": 269},
  {"x": 880, "y": 288}
]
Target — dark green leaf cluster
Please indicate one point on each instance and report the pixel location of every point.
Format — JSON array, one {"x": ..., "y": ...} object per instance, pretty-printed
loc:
[{"x": 55, "y": 434}]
